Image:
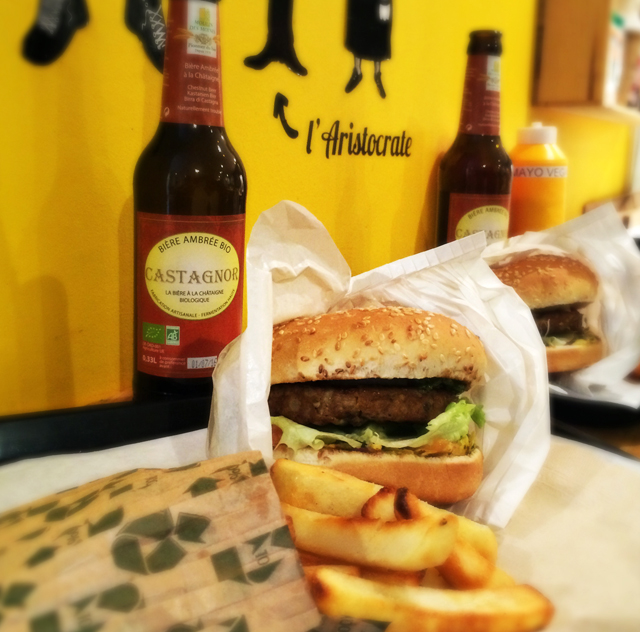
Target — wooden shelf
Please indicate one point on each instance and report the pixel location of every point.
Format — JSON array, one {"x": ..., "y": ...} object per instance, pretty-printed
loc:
[{"x": 585, "y": 57}]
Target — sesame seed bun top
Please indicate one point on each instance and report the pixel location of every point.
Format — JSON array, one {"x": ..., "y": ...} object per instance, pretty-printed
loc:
[
  {"x": 385, "y": 342},
  {"x": 548, "y": 280}
]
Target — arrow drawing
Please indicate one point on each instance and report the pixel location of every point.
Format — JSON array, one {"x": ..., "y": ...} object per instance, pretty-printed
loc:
[{"x": 280, "y": 104}]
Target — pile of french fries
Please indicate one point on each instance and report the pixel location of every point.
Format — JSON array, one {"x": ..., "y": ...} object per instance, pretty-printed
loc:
[{"x": 380, "y": 554}]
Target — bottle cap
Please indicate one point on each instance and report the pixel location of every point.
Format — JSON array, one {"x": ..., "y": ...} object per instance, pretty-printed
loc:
[{"x": 537, "y": 134}]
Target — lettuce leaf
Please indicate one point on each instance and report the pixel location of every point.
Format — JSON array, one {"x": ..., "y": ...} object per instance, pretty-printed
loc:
[
  {"x": 579, "y": 340},
  {"x": 451, "y": 425}
]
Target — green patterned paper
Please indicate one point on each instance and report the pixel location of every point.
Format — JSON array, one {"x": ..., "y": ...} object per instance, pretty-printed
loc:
[{"x": 204, "y": 547}]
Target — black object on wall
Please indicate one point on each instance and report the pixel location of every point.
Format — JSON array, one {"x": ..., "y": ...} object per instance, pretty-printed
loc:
[
  {"x": 55, "y": 25},
  {"x": 368, "y": 36},
  {"x": 279, "y": 46},
  {"x": 145, "y": 19}
]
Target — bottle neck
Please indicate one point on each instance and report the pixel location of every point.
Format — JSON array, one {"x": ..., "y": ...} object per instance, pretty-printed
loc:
[
  {"x": 191, "y": 88},
  {"x": 481, "y": 98}
]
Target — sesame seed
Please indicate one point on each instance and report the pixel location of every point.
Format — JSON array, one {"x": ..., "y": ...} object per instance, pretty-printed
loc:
[
  {"x": 396, "y": 346},
  {"x": 312, "y": 331},
  {"x": 281, "y": 332},
  {"x": 381, "y": 336},
  {"x": 356, "y": 353},
  {"x": 348, "y": 365},
  {"x": 301, "y": 375},
  {"x": 338, "y": 346},
  {"x": 434, "y": 345},
  {"x": 304, "y": 358},
  {"x": 442, "y": 358},
  {"x": 436, "y": 335},
  {"x": 368, "y": 343},
  {"x": 380, "y": 351}
]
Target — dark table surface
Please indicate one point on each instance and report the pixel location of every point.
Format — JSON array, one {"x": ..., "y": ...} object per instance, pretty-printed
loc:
[{"x": 613, "y": 428}]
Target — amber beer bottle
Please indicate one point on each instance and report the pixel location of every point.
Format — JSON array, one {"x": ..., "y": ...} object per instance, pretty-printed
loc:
[
  {"x": 474, "y": 179},
  {"x": 189, "y": 201}
]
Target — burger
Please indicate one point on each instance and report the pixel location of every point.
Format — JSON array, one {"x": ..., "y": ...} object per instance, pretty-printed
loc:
[
  {"x": 379, "y": 393},
  {"x": 557, "y": 289}
]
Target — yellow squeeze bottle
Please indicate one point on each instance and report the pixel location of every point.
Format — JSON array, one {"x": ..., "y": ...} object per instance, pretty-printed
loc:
[{"x": 539, "y": 190}]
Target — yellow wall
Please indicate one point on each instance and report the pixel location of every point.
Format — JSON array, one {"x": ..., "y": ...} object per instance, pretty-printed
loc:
[
  {"x": 598, "y": 145},
  {"x": 72, "y": 133}
]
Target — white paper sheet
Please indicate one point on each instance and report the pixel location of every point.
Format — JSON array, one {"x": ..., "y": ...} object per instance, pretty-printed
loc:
[
  {"x": 295, "y": 269},
  {"x": 600, "y": 239}
]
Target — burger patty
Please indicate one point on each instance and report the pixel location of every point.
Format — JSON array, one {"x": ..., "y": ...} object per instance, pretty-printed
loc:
[
  {"x": 320, "y": 404},
  {"x": 559, "y": 321}
]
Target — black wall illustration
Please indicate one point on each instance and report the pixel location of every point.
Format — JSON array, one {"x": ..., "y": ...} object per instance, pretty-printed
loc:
[
  {"x": 368, "y": 36},
  {"x": 144, "y": 18},
  {"x": 55, "y": 25},
  {"x": 57, "y": 21},
  {"x": 279, "y": 46}
]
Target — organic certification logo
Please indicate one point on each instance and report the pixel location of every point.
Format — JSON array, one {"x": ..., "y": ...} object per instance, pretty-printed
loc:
[
  {"x": 193, "y": 276},
  {"x": 202, "y": 29}
]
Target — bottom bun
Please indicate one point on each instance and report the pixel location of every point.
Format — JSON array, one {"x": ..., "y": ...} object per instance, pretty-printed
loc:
[
  {"x": 573, "y": 357},
  {"x": 440, "y": 480}
]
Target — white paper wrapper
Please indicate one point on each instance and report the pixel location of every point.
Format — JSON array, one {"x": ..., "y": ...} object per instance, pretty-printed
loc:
[
  {"x": 295, "y": 269},
  {"x": 599, "y": 239}
]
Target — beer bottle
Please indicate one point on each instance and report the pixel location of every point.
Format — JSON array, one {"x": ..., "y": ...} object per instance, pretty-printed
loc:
[
  {"x": 189, "y": 202},
  {"x": 474, "y": 179}
]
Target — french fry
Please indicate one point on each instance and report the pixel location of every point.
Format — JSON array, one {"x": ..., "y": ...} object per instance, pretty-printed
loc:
[
  {"x": 311, "y": 559},
  {"x": 418, "y": 609},
  {"x": 310, "y": 571},
  {"x": 408, "y": 506},
  {"x": 433, "y": 579},
  {"x": 465, "y": 568},
  {"x": 331, "y": 492},
  {"x": 381, "y": 505},
  {"x": 395, "y": 578},
  {"x": 407, "y": 545},
  {"x": 321, "y": 489},
  {"x": 500, "y": 579}
]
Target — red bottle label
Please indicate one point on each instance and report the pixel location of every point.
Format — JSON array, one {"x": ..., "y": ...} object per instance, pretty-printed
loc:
[
  {"x": 191, "y": 90},
  {"x": 471, "y": 213},
  {"x": 189, "y": 291},
  {"x": 481, "y": 99}
]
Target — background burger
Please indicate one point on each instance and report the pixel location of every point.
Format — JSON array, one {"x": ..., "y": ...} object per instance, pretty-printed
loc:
[
  {"x": 557, "y": 289},
  {"x": 376, "y": 393}
]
